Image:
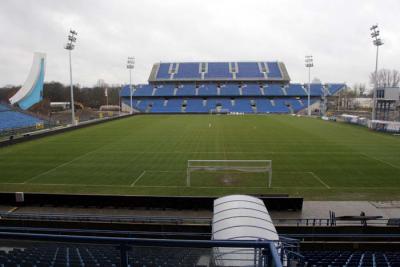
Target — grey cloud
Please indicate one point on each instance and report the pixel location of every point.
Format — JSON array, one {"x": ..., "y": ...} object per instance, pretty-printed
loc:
[{"x": 335, "y": 32}]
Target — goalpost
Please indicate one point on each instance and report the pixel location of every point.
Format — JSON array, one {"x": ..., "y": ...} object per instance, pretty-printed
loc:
[{"x": 256, "y": 166}]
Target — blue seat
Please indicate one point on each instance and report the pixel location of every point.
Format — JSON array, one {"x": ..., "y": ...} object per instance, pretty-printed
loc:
[
  {"x": 196, "y": 106},
  {"x": 218, "y": 70},
  {"x": 251, "y": 89},
  {"x": 315, "y": 89},
  {"x": 273, "y": 70},
  {"x": 242, "y": 105},
  {"x": 165, "y": 90},
  {"x": 273, "y": 90},
  {"x": 333, "y": 88},
  {"x": 188, "y": 71},
  {"x": 186, "y": 90},
  {"x": 144, "y": 90},
  {"x": 295, "y": 89},
  {"x": 249, "y": 70},
  {"x": 208, "y": 90},
  {"x": 12, "y": 120},
  {"x": 263, "y": 105},
  {"x": 163, "y": 71},
  {"x": 230, "y": 90}
]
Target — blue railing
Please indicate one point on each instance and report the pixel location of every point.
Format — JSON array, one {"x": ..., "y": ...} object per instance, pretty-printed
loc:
[{"x": 267, "y": 249}]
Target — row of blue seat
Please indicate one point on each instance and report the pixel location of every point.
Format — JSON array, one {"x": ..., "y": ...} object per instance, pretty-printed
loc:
[
  {"x": 199, "y": 105},
  {"x": 218, "y": 70},
  {"x": 250, "y": 89},
  {"x": 10, "y": 119},
  {"x": 350, "y": 259},
  {"x": 98, "y": 256}
]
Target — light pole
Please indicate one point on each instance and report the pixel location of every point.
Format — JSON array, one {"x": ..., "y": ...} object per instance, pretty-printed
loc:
[
  {"x": 377, "y": 42},
  {"x": 130, "y": 65},
  {"x": 70, "y": 46},
  {"x": 309, "y": 65}
]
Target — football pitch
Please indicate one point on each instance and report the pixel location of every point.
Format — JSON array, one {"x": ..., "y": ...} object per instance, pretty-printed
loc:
[{"x": 148, "y": 155}]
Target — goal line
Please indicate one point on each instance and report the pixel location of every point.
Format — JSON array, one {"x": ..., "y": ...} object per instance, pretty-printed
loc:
[{"x": 255, "y": 166}]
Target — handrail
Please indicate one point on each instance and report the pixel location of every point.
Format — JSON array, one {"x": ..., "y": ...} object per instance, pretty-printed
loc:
[{"x": 123, "y": 243}]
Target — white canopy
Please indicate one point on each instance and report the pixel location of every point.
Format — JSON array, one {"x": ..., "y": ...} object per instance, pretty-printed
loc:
[{"x": 240, "y": 217}]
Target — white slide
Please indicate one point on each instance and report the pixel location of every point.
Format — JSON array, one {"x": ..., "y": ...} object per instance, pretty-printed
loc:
[{"x": 31, "y": 92}]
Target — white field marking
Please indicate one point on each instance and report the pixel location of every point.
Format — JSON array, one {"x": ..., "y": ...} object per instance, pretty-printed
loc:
[
  {"x": 162, "y": 171},
  {"x": 319, "y": 179},
  {"x": 208, "y": 187},
  {"x": 138, "y": 178},
  {"x": 381, "y": 160},
  {"x": 243, "y": 152},
  {"x": 61, "y": 165}
]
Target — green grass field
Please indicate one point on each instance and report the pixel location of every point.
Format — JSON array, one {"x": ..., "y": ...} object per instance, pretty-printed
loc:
[{"x": 148, "y": 155}]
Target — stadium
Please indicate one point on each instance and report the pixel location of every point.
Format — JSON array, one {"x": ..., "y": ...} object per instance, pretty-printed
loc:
[{"x": 209, "y": 163}]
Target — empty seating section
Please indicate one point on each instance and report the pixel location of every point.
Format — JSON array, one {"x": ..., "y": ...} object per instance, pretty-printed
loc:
[
  {"x": 242, "y": 105},
  {"x": 195, "y": 105},
  {"x": 280, "y": 106},
  {"x": 188, "y": 71},
  {"x": 199, "y": 87},
  {"x": 296, "y": 89},
  {"x": 163, "y": 71},
  {"x": 248, "y": 70},
  {"x": 10, "y": 119},
  {"x": 143, "y": 90},
  {"x": 273, "y": 70},
  {"x": 208, "y": 90},
  {"x": 218, "y": 70},
  {"x": 315, "y": 89},
  {"x": 264, "y": 105},
  {"x": 273, "y": 90},
  {"x": 165, "y": 90},
  {"x": 4, "y": 108},
  {"x": 230, "y": 90},
  {"x": 91, "y": 255},
  {"x": 186, "y": 90},
  {"x": 351, "y": 259},
  {"x": 333, "y": 88},
  {"x": 295, "y": 104},
  {"x": 251, "y": 89}
]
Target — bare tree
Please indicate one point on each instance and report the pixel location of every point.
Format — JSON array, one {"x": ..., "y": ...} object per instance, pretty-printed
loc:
[{"x": 385, "y": 78}]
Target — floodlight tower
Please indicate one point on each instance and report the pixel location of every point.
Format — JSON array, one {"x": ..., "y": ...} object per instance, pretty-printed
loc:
[
  {"x": 377, "y": 42},
  {"x": 70, "y": 46},
  {"x": 309, "y": 64},
  {"x": 130, "y": 65}
]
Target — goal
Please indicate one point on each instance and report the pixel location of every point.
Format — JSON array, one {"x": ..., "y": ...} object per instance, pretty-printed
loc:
[{"x": 245, "y": 166}]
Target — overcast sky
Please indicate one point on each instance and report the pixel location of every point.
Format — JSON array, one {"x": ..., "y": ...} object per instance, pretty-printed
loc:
[{"x": 335, "y": 32}]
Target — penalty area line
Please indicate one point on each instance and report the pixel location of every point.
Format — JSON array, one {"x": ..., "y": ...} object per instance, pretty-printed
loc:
[
  {"x": 138, "y": 178},
  {"x": 319, "y": 180}
]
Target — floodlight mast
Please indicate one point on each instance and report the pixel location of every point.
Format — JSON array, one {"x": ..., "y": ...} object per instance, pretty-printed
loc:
[
  {"x": 309, "y": 65},
  {"x": 130, "y": 65},
  {"x": 70, "y": 46},
  {"x": 377, "y": 42}
]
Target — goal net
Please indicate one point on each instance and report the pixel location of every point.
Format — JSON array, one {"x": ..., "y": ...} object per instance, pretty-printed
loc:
[{"x": 230, "y": 170}]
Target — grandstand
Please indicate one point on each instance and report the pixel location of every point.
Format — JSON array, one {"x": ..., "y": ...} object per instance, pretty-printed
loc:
[
  {"x": 225, "y": 87},
  {"x": 12, "y": 119}
]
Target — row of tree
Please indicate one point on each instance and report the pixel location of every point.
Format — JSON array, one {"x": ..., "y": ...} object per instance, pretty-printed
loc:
[
  {"x": 93, "y": 97},
  {"x": 384, "y": 78}
]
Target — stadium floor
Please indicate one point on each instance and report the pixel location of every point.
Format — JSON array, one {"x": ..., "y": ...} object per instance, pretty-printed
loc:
[{"x": 148, "y": 155}]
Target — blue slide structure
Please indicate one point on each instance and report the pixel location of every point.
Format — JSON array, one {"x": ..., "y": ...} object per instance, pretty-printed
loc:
[{"x": 32, "y": 90}]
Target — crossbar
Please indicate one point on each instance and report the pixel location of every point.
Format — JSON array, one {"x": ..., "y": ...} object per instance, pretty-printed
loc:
[{"x": 211, "y": 167}]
